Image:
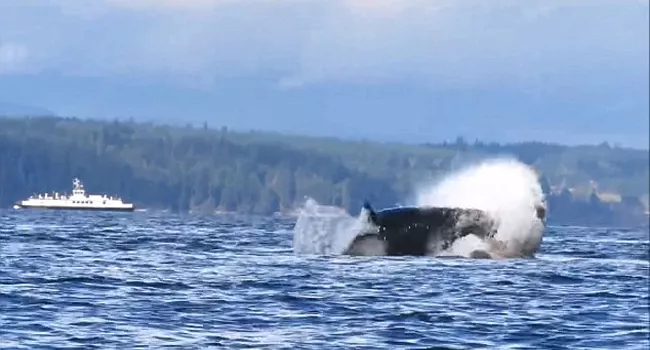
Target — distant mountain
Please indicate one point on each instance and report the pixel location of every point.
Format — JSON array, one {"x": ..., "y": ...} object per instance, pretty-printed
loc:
[
  {"x": 202, "y": 169},
  {"x": 16, "y": 109}
]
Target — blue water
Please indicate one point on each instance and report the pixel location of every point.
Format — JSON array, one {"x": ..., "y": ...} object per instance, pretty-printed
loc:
[{"x": 122, "y": 281}]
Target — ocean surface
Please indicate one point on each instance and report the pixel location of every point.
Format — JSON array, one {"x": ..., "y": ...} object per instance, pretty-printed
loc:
[{"x": 71, "y": 280}]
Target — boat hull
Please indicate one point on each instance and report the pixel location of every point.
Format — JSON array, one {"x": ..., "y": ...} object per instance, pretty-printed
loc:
[
  {"x": 79, "y": 200},
  {"x": 61, "y": 207}
]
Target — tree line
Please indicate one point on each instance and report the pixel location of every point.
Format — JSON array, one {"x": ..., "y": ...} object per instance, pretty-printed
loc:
[{"x": 204, "y": 169}]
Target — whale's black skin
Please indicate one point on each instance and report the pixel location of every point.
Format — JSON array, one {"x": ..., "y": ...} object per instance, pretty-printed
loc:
[{"x": 422, "y": 230}]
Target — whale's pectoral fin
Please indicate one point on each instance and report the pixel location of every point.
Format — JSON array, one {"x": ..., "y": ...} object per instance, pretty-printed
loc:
[{"x": 372, "y": 215}]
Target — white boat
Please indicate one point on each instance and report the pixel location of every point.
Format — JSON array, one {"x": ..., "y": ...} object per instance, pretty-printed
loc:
[{"x": 79, "y": 200}]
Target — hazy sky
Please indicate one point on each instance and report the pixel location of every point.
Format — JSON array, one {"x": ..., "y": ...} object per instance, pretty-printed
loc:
[{"x": 561, "y": 70}]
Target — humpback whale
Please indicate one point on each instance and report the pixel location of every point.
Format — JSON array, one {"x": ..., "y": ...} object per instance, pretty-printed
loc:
[{"x": 421, "y": 231}]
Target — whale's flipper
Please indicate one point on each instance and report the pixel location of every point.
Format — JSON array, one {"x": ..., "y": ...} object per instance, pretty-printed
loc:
[{"x": 372, "y": 215}]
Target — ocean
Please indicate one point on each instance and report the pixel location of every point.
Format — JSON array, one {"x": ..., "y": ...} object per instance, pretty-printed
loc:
[{"x": 71, "y": 280}]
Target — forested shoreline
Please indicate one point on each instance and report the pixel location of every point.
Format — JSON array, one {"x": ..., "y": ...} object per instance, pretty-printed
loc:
[{"x": 204, "y": 169}]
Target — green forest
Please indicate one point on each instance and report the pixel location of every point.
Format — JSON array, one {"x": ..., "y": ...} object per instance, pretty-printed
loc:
[{"x": 213, "y": 169}]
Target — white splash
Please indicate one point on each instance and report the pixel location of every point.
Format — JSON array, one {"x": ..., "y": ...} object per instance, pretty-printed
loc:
[
  {"x": 325, "y": 230},
  {"x": 507, "y": 190}
]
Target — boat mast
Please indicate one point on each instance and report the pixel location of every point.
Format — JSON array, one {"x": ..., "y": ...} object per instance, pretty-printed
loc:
[{"x": 77, "y": 187}]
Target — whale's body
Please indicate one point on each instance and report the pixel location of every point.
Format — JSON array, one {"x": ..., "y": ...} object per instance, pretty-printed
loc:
[{"x": 423, "y": 230}]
